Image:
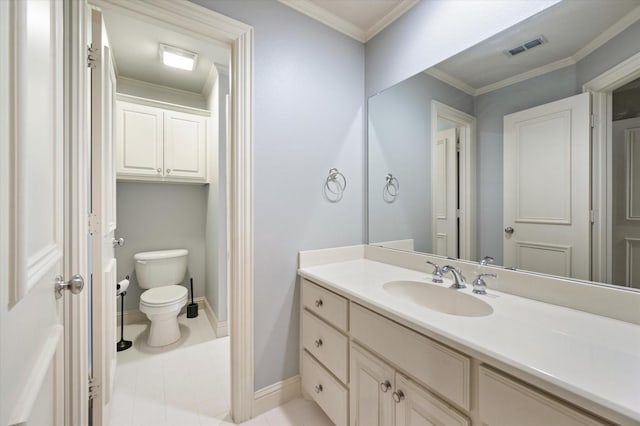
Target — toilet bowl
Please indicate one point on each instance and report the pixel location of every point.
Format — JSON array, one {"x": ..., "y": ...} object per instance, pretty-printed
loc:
[{"x": 159, "y": 272}]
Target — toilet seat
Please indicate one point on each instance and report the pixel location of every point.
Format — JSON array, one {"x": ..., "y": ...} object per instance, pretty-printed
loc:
[{"x": 163, "y": 296}]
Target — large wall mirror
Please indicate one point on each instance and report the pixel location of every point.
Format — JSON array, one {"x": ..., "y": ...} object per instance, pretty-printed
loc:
[{"x": 525, "y": 148}]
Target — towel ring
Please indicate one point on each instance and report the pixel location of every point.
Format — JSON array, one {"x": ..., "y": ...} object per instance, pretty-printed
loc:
[
  {"x": 392, "y": 187},
  {"x": 338, "y": 180}
]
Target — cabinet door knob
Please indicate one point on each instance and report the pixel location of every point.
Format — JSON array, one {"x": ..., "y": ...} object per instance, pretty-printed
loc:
[
  {"x": 385, "y": 386},
  {"x": 318, "y": 388},
  {"x": 318, "y": 303},
  {"x": 509, "y": 230},
  {"x": 398, "y": 396},
  {"x": 168, "y": 170},
  {"x": 159, "y": 170},
  {"x": 318, "y": 343}
]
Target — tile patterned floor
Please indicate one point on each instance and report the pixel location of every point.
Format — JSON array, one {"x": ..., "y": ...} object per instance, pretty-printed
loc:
[{"x": 187, "y": 383}]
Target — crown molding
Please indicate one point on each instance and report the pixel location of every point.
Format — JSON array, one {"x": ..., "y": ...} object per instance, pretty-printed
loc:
[
  {"x": 451, "y": 80},
  {"x": 400, "y": 9},
  {"x": 319, "y": 14},
  {"x": 625, "y": 22}
]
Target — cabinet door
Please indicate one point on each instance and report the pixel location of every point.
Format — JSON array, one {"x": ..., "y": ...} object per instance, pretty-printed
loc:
[
  {"x": 139, "y": 139},
  {"x": 371, "y": 386},
  {"x": 185, "y": 145},
  {"x": 417, "y": 407}
]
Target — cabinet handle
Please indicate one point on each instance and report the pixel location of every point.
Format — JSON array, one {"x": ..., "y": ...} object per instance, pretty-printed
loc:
[
  {"x": 159, "y": 170},
  {"x": 318, "y": 343},
  {"x": 398, "y": 396},
  {"x": 318, "y": 303},
  {"x": 385, "y": 386},
  {"x": 168, "y": 170},
  {"x": 318, "y": 388}
]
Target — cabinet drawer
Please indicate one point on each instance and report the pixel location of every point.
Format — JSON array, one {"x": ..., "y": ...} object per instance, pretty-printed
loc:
[
  {"x": 506, "y": 401},
  {"x": 440, "y": 368},
  {"x": 330, "y": 395},
  {"x": 327, "y": 344},
  {"x": 325, "y": 304}
]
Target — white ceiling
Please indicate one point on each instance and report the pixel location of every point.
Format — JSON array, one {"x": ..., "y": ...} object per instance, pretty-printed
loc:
[
  {"x": 135, "y": 44},
  {"x": 359, "y": 19},
  {"x": 573, "y": 29}
]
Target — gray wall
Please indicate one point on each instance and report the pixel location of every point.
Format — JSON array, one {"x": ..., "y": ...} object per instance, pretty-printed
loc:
[
  {"x": 308, "y": 117},
  {"x": 435, "y": 30},
  {"x": 399, "y": 143},
  {"x": 216, "y": 222},
  {"x": 160, "y": 216}
]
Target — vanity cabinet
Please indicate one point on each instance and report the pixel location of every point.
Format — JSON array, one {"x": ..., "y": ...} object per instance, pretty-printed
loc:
[
  {"x": 364, "y": 369},
  {"x": 160, "y": 144}
]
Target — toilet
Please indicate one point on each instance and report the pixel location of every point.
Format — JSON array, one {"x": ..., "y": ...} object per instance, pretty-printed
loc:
[{"x": 159, "y": 273}]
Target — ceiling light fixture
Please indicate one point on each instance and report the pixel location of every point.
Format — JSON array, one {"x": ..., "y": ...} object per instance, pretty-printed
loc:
[{"x": 178, "y": 58}]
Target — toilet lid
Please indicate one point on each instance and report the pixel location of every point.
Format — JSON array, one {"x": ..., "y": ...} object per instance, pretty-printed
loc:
[{"x": 163, "y": 295}]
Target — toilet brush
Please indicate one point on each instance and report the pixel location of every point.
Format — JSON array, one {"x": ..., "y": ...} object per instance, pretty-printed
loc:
[{"x": 192, "y": 308}]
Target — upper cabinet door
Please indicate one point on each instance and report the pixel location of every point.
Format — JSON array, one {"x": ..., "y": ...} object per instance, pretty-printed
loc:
[
  {"x": 139, "y": 139},
  {"x": 184, "y": 145}
]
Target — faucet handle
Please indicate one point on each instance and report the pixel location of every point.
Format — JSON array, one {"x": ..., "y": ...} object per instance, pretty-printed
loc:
[
  {"x": 486, "y": 260},
  {"x": 479, "y": 285},
  {"x": 437, "y": 272}
]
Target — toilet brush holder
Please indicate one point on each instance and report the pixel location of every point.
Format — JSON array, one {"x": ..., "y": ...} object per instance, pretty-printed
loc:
[
  {"x": 192, "y": 308},
  {"x": 122, "y": 345}
]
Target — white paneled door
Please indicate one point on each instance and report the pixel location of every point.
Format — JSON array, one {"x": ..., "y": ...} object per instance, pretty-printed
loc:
[
  {"x": 547, "y": 164},
  {"x": 626, "y": 202},
  {"x": 445, "y": 193},
  {"x": 103, "y": 212},
  {"x": 32, "y": 200}
]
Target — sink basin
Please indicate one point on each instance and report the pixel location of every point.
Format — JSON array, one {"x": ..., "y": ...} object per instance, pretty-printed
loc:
[{"x": 441, "y": 299}]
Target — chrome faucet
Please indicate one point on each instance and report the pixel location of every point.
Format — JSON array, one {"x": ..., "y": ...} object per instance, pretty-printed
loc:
[
  {"x": 479, "y": 286},
  {"x": 437, "y": 272},
  {"x": 458, "y": 278}
]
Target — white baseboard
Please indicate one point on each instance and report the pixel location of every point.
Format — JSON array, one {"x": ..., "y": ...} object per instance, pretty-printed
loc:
[
  {"x": 275, "y": 395},
  {"x": 220, "y": 327}
]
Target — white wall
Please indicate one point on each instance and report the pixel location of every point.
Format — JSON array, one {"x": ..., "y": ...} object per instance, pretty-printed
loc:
[
  {"x": 435, "y": 30},
  {"x": 160, "y": 216},
  {"x": 308, "y": 109}
]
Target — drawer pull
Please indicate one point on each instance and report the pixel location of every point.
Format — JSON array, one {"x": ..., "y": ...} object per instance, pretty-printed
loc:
[
  {"x": 318, "y": 303},
  {"x": 318, "y": 343},
  {"x": 385, "y": 386},
  {"x": 398, "y": 396},
  {"x": 318, "y": 388}
]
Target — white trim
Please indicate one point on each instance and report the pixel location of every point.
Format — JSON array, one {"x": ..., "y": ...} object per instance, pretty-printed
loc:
[
  {"x": 45, "y": 359},
  {"x": 196, "y": 21},
  {"x": 467, "y": 173},
  {"x": 625, "y": 22},
  {"x": 343, "y": 26},
  {"x": 161, "y": 104},
  {"x": 207, "y": 87},
  {"x": 601, "y": 88},
  {"x": 322, "y": 15},
  {"x": 400, "y": 9},
  {"x": 629, "y": 243},
  {"x": 220, "y": 327},
  {"x": 194, "y": 97},
  {"x": 276, "y": 394},
  {"x": 450, "y": 80}
]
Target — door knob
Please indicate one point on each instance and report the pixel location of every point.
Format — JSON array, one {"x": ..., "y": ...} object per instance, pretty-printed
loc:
[
  {"x": 75, "y": 284},
  {"x": 508, "y": 230},
  {"x": 118, "y": 242}
]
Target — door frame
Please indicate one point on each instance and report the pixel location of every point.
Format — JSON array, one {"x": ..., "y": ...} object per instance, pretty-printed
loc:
[
  {"x": 199, "y": 22},
  {"x": 467, "y": 173},
  {"x": 601, "y": 89}
]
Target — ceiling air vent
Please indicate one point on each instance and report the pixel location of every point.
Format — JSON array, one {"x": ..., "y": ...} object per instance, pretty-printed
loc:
[{"x": 538, "y": 41}]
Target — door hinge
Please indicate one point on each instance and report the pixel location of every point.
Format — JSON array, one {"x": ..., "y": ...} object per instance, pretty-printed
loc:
[
  {"x": 458, "y": 213},
  {"x": 92, "y": 56},
  {"x": 93, "y": 224},
  {"x": 592, "y": 216},
  {"x": 94, "y": 389},
  {"x": 592, "y": 121},
  {"x": 458, "y": 146}
]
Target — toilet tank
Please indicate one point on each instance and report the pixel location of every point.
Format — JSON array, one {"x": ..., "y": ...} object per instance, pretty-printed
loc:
[{"x": 160, "y": 268}]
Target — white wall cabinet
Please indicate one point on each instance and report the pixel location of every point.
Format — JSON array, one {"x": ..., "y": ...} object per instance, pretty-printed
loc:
[
  {"x": 399, "y": 377},
  {"x": 159, "y": 144}
]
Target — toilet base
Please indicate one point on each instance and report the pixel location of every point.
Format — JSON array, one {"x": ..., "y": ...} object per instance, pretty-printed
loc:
[{"x": 163, "y": 331}]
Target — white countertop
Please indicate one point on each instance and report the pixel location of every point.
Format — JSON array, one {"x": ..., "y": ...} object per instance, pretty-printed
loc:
[{"x": 592, "y": 356}]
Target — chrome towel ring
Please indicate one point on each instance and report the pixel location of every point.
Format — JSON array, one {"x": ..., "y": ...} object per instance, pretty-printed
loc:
[
  {"x": 334, "y": 185},
  {"x": 391, "y": 188}
]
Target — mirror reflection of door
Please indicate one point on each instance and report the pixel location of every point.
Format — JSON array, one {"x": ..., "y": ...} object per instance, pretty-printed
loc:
[
  {"x": 547, "y": 188},
  {"x": 626, "y": 185},
  {"x": 445, "y": 190}
]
